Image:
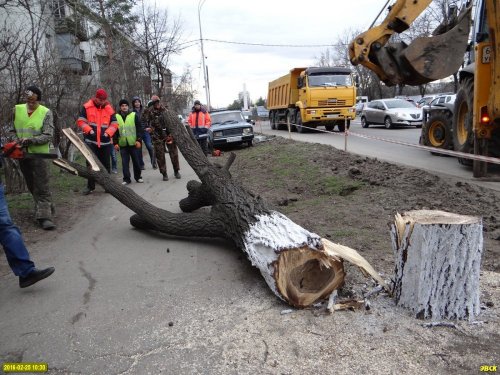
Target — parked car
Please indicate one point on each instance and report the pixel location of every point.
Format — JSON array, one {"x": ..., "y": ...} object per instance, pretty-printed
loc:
[
  {"x": 229, "y": 128},
  {"x": 262, "y": 111},
  {"x": 447, "y": 101},
  {"x": 391, "y": 112},
  {"x": 360, "y": 104},
  {"x": 407, "y": 98},
  {"x": 359, "y": 107},
  {"x": 425, "y": 100},
  {"x": 248, "y": 117}
]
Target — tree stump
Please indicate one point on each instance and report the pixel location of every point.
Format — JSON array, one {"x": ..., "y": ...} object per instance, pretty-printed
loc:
[{"x": 437, "y": 263}]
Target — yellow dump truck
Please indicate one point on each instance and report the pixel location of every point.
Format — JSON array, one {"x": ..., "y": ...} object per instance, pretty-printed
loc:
[{"x": 312, "y": 97}]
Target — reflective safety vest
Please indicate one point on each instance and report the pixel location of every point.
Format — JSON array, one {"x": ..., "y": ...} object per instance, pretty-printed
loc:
[
  {"x": 128, "y": 134},
  {"x": 99, "y": 119},
  {"x": 31, "y": 126}
]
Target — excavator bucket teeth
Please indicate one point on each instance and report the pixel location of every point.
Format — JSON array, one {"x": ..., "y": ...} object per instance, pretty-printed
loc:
[{"x": 426, "y": 59}]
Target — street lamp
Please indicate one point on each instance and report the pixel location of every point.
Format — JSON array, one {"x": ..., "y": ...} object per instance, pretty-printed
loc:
[{"x": 207, "y": 90}]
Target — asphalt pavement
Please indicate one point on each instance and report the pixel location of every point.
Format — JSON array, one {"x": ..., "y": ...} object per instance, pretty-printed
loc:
[{"x": 125, "y": 300}]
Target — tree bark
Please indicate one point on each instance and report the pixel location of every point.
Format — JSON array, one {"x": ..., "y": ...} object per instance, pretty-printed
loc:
[
  {"x": 296, "y": 264},
  {"x": 438, "y": 258}
]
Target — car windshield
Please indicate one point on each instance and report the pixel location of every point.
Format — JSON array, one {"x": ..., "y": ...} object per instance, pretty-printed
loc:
[
  {"x": 398, "y": 103},
  {"x": 330, "y": 80},
  {"x": 226, "y": 118}
]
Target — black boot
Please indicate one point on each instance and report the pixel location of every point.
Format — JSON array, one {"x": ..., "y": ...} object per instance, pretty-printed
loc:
[
  {"x": 46, "y": 224},
  {"x": 35, "y": 276}
]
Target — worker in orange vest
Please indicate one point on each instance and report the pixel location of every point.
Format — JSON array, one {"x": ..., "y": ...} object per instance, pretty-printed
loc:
[
  {"x": 199, "y": 121},
  {"x": 98, "y": 123}
]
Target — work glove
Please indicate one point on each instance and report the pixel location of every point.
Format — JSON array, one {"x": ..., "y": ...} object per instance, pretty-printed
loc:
[
  {"x": 138, "y": 144},
  {"x": 87, "y": 130},
  {"x": 117, "y": 147}
]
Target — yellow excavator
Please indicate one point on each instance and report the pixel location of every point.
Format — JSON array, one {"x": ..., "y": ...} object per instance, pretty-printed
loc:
[{"x": 474, "y": 124}]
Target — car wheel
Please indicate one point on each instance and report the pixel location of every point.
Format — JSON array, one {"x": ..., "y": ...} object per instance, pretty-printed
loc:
[
  {"x": 298, "y": 121},
  {"x": 250, "y": 143},
  {"x": 364, "y": 123},
  {"x": 388, "y": 123}
]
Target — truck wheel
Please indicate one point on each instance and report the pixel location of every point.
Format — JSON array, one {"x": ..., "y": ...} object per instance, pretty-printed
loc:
[
  {"x": 329, "y": 127},
  {"x": 298, "y": 121},
  {"x": 341, "y": 127},
  {"x": 273, "y": 121},
  {"x": 436, "y": 132},
  {"x": 291, "y": 119},
  {"x": 364, "y": 123},
  {"x": 463, "y": 136}
]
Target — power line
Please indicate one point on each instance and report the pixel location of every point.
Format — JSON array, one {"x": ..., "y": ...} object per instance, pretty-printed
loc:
[
  {"x": 196, "y": 41},
  {"x": 271, "y": 45}
]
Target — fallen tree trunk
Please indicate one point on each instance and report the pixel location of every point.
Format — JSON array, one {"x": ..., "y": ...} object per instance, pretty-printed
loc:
[
  {"x": 437, "y": 258},
  {"x": 293, "y": 261}
]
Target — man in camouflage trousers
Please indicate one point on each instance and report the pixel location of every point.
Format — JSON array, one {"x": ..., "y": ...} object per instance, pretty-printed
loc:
[
  {"x": 154, "y": 122},
  {"x": 34, "y": 129}
]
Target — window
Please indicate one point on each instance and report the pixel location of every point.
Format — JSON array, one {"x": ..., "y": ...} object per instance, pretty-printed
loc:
[
  {"x": 58, "y": 9},
  {"x": 330, "y": 80}
]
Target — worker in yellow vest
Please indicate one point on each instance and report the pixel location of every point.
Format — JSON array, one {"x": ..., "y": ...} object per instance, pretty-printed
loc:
[
  {"x": 128, "y": 140},
  {"x": 33, "y": 124}
]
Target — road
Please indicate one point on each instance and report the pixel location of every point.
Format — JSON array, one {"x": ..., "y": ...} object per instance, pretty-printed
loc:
[{"x": 394, "y": 153}]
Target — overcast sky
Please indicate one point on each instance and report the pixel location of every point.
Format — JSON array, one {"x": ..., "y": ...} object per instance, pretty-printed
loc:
[{"x": 230, "y": 66}]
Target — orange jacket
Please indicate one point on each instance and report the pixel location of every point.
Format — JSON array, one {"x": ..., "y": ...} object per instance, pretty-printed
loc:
[
  {"x": 101, "y": 120},
  {"x": 201, "y": 126}
]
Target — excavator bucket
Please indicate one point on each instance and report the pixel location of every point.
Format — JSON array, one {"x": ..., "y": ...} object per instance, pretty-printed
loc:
[{"x": 426, "y": 59}]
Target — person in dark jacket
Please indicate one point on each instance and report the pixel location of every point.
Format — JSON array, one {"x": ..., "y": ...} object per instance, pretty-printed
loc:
[
  {"x": 146, "y": 137},
  {"x": 154, "y": 122},
  {"x": 127, "y": 140},
  {"x": 98, "y": 123}
]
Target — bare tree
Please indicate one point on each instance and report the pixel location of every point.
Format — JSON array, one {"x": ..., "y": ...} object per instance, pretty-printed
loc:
[{"x": 160, "y": 37}]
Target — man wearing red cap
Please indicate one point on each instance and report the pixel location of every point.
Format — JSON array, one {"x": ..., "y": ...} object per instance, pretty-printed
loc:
[{"x": 98, "y": 123}]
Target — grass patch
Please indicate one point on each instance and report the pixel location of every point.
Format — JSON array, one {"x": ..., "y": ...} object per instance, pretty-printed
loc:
[
  {"x": 23, "y": 201},
  {"x": 335, "y": 185},
  {"x": 293, "y": 165}
]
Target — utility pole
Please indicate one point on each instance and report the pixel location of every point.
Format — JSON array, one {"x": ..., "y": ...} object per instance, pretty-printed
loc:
[{"x": 207, "y": 92}]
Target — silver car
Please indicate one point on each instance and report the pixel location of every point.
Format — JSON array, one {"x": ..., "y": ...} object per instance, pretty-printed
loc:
[{"x": 391, "y": 112}]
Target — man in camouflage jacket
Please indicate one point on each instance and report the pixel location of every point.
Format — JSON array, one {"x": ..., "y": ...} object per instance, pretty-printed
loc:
[{"x": 154, "y": 122}]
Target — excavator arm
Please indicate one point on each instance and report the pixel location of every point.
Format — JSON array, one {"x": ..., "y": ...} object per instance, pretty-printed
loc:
[{"x": 425, "y": 59}]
